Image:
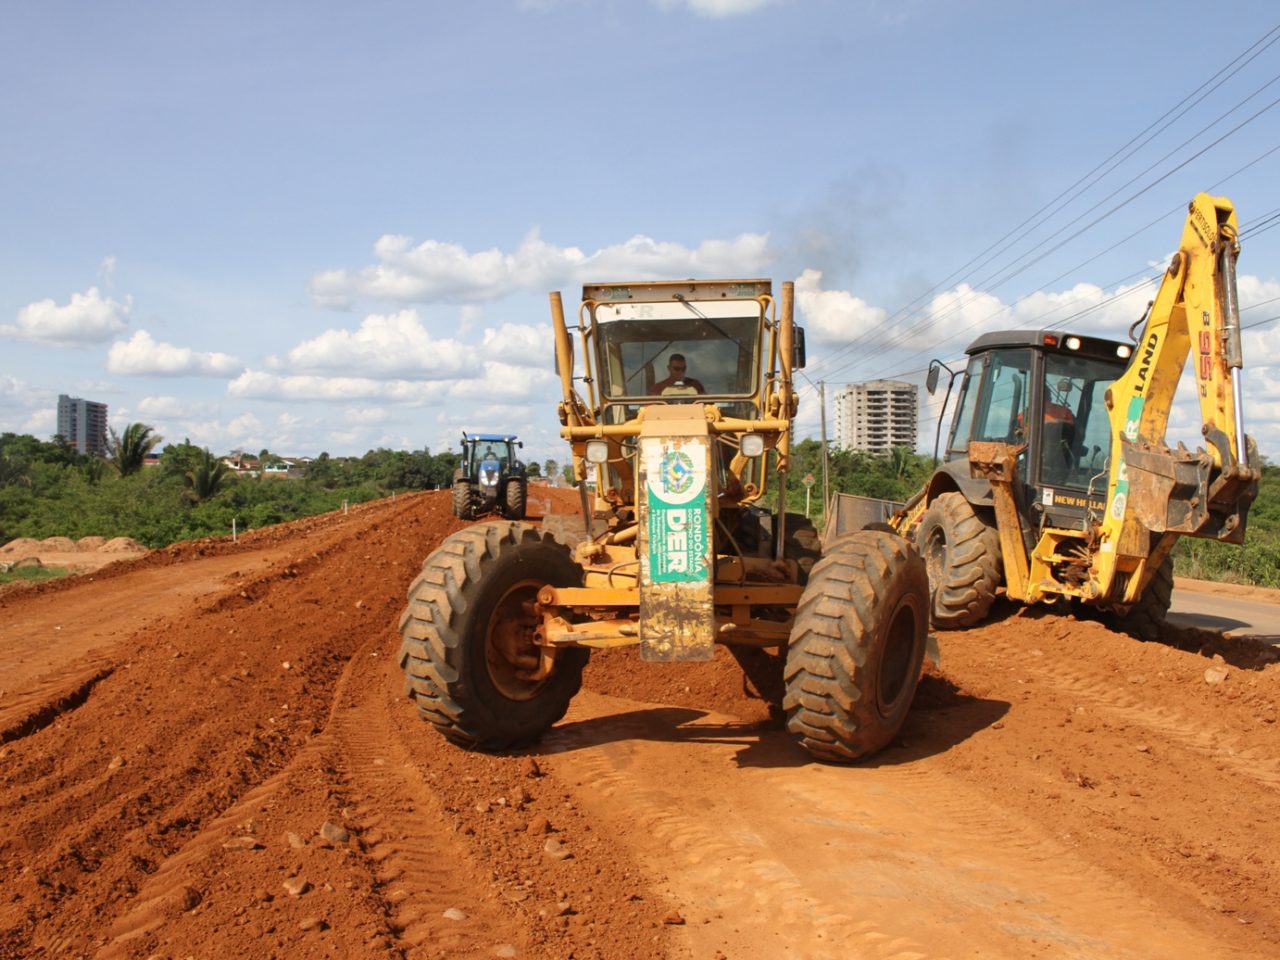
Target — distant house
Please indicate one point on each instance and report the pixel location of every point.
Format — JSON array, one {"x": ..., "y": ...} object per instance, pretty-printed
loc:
[{"x": 241, "y": 465}]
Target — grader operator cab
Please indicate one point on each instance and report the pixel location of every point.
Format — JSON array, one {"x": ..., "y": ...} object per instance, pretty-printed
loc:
[
  {"x": 683, "y": 432},
  {"x": 1058, "y": 486}
]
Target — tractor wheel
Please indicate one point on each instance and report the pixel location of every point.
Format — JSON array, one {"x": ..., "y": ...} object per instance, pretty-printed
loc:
[
  {"x": 1146, "y": 618},
  {"x": 469, "y": 637},
  {"x": 516, "y": 495},
  {"x": 464, "y": 507},
  {"x": 962, "y": 555},
  {"x": 857, "y": 647}
]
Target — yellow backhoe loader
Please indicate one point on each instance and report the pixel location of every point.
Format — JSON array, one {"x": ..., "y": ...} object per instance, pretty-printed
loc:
[
  {"x": 684, "y": 427},
  {"x": 1057, "y": 485}
]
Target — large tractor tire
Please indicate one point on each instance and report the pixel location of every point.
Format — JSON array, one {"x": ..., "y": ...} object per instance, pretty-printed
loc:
[
  {"x": 962, "y": 555},
  {"x": 1146, "y": 617},
  {"x": 515, "y": 496},
  {"x": 857, "y": 647},
  {"x": 468, "y": 637},
  {"x": 464, "y": 506}
]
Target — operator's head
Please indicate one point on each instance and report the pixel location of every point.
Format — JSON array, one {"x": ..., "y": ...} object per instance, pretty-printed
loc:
[{"x": 676, "y": 366}]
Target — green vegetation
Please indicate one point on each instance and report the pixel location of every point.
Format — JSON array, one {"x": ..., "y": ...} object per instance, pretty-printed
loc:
[
  {"x": 896, "y": 477},
  {"x": 47, "y": 489},
  {"x": 33, "y": 574}
]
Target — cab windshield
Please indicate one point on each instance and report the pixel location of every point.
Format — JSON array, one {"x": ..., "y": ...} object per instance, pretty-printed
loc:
[
  {"x": 489, "y": 450},
  {"x": 679, "y": 349},
  {"x": 1076, "y": 442}
]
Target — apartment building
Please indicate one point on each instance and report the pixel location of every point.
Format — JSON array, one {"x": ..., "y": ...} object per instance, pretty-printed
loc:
[
  {"x": 876, "y": 416},
  {"x": 83, "y": 423}
]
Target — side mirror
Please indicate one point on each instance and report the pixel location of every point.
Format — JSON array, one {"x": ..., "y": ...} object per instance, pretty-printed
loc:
[
  {"x": 931, "y": 381},
  {"x": 797, "y": 360}
]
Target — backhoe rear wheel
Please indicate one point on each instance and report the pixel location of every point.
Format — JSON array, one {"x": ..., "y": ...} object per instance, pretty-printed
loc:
[
  {"x": 1146, "y": 617},
  {"x": 962, "y": 555},
  {"x": 857, "y": 647},
  {"x": 469, "y": 637}
]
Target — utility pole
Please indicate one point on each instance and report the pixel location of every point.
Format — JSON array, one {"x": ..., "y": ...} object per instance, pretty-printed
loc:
[{"x": 822, "y": 400}]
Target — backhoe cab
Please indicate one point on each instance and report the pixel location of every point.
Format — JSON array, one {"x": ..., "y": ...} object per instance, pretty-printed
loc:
[
  {"x": 1057, "y": 484},
  {"x": 683, "y": 430}
]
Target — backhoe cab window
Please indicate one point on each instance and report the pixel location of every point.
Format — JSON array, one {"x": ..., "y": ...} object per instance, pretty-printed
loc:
[
  {"x": 718, "y": 344},
  {"x": 1002, "y": 401},
  {"x": 1077, "y": 428}
]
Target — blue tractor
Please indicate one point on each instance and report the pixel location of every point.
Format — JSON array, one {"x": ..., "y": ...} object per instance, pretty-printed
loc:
[{"x": 490, "y": 478}]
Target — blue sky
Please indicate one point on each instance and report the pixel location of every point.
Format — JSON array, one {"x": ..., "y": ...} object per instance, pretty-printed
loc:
[{"x": 317, "y": 226}]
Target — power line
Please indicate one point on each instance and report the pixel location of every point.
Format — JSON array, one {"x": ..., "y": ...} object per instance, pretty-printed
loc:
[{"x": 1175, "y": 113}]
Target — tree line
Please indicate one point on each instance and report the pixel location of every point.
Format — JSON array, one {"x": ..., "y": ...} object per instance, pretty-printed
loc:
[{"x": 48, "y": 489}]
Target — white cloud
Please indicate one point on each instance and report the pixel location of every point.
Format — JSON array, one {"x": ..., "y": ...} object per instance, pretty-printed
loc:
[
  {"x": 435, "y": 271},
  {"x": 715, "y": 9},
  {"x": 504, "y": 381},
  {"x": 365, "y": 416},
  {"x": 87, "y": 319},
  {"x": 836, "y": 316},
  {"x": 259, "y": 385},
  {"x": 168, "y": 408},
  {"x": 383, "y": 346},
  {"x": 141, "y": 355},
  {"x": 520, "y": 344}
]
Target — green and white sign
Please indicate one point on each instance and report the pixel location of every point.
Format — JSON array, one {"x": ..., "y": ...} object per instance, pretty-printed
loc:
[{"x": 678, "y": 538}]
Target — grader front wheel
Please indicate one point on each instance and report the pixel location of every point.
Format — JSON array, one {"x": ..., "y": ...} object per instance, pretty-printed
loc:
[
  {"x": 469, "y": 652},
  {"x": 857, "y": 648}
]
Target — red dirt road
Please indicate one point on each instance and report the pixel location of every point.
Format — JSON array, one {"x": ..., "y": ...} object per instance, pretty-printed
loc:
[{"x": 205, "y": 753}]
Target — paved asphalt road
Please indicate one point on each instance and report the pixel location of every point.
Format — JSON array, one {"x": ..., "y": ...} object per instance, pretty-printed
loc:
[{"x": 1208, "y": 609}]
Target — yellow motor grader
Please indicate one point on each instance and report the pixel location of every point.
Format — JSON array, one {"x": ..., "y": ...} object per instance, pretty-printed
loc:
[{"x": 684, "y": 426}]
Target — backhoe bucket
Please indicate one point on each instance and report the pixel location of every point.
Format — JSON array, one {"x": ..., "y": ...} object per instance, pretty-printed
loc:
[{"x": 1174, "y": 491}]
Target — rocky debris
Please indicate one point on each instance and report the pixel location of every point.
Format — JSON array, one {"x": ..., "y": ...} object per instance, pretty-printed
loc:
[
  {"x": 453, "y": 913},
  {"x": 242, "y": 843},
  {"x": 334, "y": 833},
  {"x": 294, "y": 841},
  {"x": 556, "y": 850},
  {"x": 296, "y": 886},
  {"x": 312, "y": 923}
]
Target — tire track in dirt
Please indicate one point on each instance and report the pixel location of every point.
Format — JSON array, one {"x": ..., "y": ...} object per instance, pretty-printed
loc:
[
  {"x": 888, "y": 861},
  {"x": 413, "y": 854},
  {"x": 398, "y": 844}
]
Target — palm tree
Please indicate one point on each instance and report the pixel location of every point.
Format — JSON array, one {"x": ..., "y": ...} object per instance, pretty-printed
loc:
[
  {"x": 207, "y": 477},
  {"x": 128, "y": 451}
]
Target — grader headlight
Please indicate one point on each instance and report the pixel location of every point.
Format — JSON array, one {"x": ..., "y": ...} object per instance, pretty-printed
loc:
[{"x": 752, "y": 445}]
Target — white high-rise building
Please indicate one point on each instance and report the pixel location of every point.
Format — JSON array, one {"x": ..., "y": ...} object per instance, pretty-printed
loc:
[
  {"x": 83, "y": 424},
  {"x": 876, "y": 416}
]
